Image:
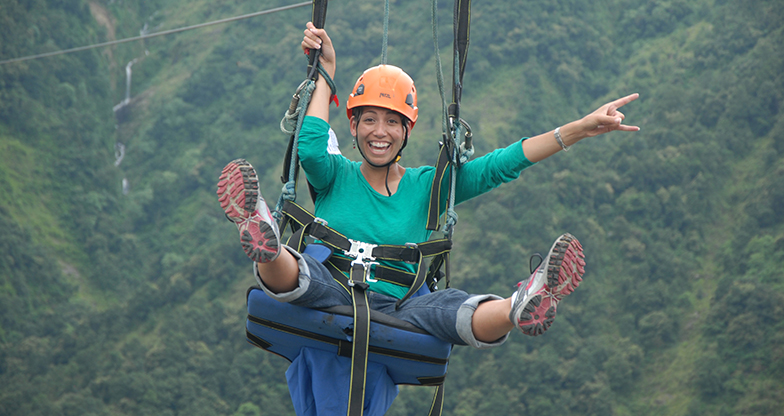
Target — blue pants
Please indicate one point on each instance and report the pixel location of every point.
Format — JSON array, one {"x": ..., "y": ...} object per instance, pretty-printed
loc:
[{"x": 446, "y": 314}]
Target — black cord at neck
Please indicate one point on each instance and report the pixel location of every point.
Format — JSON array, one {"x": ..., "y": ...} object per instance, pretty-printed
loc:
[{"x": 386, "y": 181}]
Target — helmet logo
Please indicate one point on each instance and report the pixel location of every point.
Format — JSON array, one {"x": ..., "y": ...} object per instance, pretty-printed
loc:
[{"x": 385, "y": 95}]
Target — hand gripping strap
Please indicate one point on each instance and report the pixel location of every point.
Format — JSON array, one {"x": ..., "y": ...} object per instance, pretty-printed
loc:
[{"x": 318, "y": 17}]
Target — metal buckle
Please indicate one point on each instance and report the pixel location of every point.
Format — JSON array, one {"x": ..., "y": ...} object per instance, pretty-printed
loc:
[
  {"x": 295, "y": 98},
  {"x": 413, "y": 246},
  {"x": 360, "y": 251},
  {"x": 366, "y": 271},
  {"x": 363, "y": 255},
  {"x": 366, "y": 268},
  {"x": 320, "y": 221}
]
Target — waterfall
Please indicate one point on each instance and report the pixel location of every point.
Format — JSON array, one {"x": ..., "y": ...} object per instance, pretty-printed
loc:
[
  {"x": 119, "y": 148},
  {"x": 119, "y": 153},
  {"x": 128, "y": 74}
]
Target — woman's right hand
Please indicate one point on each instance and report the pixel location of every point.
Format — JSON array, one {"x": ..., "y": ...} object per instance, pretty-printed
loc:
[{"x": 318, "y": 39}]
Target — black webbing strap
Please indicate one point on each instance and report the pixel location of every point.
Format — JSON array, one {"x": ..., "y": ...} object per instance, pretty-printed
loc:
[
  {"x": 297, "y": 213},
  {"x": 434, "y": 208},
  {"x": 253, "y": 339},
  {"x": 361, "y": 340},
  {"x": 434, "y": 274},
  {"x": 438, "y": 401},
  {"x": 309, "y": 225},
  {"x": 413, "y": 253},
  {"x": 462, "y": 32},
  {"x": 462, "y": 26},
  {"x": 318, "y": 17},
  {"x": 337, "y": 274},
  {"x": 383, "y": 273},
  {"x": 287, "y": 161},
  {"x": 419, "y": 280}
]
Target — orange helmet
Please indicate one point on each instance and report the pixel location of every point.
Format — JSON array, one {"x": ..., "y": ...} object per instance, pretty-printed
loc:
[{"x": 385, "y": 86}]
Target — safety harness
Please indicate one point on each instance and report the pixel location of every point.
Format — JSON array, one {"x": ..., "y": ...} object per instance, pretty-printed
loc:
[{"x": 361, "y": 260}]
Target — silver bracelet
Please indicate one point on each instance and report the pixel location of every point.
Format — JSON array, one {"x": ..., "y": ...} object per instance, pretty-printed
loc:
[{"x": 558, "y": 138}]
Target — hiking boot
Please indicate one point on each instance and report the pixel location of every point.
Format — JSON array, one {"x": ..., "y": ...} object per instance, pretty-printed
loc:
[
  {"x": 536, "y": 300},
  {"x": 239, "y": 196}
]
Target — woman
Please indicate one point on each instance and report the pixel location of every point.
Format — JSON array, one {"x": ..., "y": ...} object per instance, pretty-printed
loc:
[{"x": 379, "y": 201}]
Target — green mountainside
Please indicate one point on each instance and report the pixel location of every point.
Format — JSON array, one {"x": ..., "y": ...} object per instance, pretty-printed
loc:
[{"x": 130, "y": 300}]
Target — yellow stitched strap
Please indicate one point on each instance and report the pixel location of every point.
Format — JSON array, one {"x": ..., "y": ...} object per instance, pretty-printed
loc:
[
  {"x": 321, "y": 231},
  {"x": 421, "y": 276},
  {"x": 434, "y": 209},
  {"x": 438, "y": 401},
  {"x": 309, "y": 225},
  {"x": 361, "y": 341}
]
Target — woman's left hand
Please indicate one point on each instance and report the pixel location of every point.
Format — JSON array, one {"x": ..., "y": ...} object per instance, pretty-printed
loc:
[{"x": 607, "y": 118}]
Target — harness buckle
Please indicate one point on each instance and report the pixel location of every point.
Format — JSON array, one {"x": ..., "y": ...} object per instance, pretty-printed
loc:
[
  {"x": 363, "y": 255},
  {"x": 360, "y": 251},
  {"x": 362, "y": 285},
  {"x": 365, "y": 272},
  {"x": 321, "y": 221},
  {"x": 413, "y": 246}
]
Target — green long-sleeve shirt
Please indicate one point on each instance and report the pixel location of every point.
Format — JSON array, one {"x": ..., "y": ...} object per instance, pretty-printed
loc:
[{"x": 351, "y": 206}]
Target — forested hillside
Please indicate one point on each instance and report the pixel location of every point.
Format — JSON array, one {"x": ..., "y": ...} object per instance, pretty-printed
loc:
[{"x": 122, "y": 286}]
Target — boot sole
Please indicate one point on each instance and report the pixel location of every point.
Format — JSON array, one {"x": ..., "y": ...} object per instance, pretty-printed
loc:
[
  {"x": 565, "y": 269},
  {"x": 238, "y": 194}
]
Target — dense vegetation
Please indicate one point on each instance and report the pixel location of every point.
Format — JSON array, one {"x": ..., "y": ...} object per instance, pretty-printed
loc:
[{"x": 116, "y": 303}]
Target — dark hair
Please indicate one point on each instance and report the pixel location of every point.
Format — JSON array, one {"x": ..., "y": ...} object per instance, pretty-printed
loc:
[{"x": 357, "y": 112}]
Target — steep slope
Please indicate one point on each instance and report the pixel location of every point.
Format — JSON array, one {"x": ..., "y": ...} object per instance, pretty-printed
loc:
[{"x": 116, "y": 303}]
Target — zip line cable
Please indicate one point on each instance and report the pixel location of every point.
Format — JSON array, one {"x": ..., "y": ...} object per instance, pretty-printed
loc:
[{"x": 152, "y": 35}]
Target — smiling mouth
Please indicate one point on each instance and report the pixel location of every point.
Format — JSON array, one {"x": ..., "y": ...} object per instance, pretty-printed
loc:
[{"x": 379, "y": 147}]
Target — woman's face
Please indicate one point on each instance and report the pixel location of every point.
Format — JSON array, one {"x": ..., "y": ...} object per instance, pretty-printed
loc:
[{"x": 380, "y": 134}]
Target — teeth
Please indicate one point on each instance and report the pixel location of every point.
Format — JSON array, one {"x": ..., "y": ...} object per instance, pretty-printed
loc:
[{"x": 379, "y": 145}]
